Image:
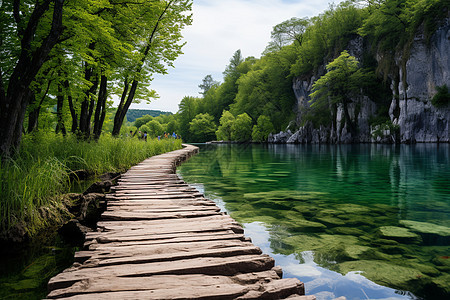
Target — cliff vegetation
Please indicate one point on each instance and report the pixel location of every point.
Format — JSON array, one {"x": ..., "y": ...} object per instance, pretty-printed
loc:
[{"x": 302, "y": 87}]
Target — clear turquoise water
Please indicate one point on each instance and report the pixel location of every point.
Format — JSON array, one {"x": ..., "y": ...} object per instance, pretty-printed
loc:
[{"x": 360, "y": 221}]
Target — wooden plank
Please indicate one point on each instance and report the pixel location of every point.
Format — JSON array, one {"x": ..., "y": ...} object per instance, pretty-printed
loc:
[
  {"x": 196, "y": 285},
  {"x": 209, "y": 266},
  {"x": 142, "y": 215},
  {"x": 162, "y": 208},
  {"x": 140, "y": 235}
]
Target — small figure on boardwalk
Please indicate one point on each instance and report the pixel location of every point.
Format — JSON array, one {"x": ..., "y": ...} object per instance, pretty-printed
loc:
[{"x": 145, "y": 135}]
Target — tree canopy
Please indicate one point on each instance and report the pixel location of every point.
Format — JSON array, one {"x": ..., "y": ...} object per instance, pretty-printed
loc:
[{"x": 76, "y": 54}]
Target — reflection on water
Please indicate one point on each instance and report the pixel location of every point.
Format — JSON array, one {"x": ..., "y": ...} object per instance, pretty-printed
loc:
[{"x": 361, "y": 221}]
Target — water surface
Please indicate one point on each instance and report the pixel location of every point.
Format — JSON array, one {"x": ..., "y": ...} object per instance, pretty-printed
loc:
[{"x": 360, "y": 221}]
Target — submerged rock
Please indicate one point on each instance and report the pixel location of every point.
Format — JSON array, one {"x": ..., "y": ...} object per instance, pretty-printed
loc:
[
  {"x": 432, "y": 234},
  {"x": 400, "y": 234},
  {"x": 385, "y": 273}
]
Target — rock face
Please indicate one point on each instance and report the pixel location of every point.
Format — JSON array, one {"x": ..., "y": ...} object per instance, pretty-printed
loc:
[
  {"x": 427, "y": 68},
  {"x": 411, "y": 111}
]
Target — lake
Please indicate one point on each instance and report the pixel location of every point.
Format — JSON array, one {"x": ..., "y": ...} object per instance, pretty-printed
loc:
[{"x": 362, "y": 221}]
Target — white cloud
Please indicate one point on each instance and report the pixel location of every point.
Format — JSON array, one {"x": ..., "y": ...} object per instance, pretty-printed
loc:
[{"x": 219, "y": 29}]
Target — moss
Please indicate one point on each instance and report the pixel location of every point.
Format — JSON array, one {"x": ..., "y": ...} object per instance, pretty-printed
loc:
[
  {"x": 442, "y": 97},
  {"x": 331, "y": 221},
  {"x": 432, "y": 234},
  {"x": 399, "y": 234},
  {"x": 385, "y": 273},
  {"x": 348, "y": 231},
  {"x": 283, "y": 195},
  {"x": 443, "y": 283}
]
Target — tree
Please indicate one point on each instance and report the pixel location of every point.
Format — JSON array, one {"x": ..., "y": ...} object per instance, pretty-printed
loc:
[
  {"x": 142, "y": 120},
  {"x": 153, "y": 128},
  {"x": 226, "y": 124},
  {"x": 265, "y": 90},
  {"x": 262, "y": 129},
  {"x": 161, "y": 36},
  {"x": 29, "y": 31},
  {"x": 187, "y": 110},
  {"x": 207, "y": 84},
  {"x": 286, "y": 33},
  {"x": 203, "y": 128},
  {"x": 343, "y": 80},
  {"x": 242, "y": 128}
]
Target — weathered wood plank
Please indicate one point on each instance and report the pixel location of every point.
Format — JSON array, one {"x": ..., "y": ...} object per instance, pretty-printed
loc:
[
  {"x": 124, "y": 236},
  {"x": 142, "y": 215},
  {"x": 193, "y": 286},
  {"x": 209, "y": 266},
  {"x": 136, "y": 256}
]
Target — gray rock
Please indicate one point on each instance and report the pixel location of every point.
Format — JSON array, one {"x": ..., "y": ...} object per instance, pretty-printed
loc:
[
  {"x": 428, "y": 66},
  {"x": 279, "y": 138}
]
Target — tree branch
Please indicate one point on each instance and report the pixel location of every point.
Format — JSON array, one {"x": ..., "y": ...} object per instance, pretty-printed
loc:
[
  {"x": 2, "y": 88},
  {"x": 28, "y": 33},
  {"x": 16, "y": 14}
]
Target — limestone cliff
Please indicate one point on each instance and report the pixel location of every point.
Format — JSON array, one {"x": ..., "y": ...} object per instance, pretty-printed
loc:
[
  {"x": 427, "y": 67},
  {"x": 413, "y": 116}
]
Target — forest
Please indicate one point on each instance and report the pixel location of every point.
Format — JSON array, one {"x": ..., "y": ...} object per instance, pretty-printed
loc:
[
  {"x": 256, "y": 96},
  {"x": 61, "y": 62}
]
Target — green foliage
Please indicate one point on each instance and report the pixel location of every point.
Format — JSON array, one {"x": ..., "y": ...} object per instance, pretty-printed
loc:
[
  {"x": 31, "y": 182},
  {"x": 266, "y": 90},
  {"x": 142, "y": 120},
  {"x": 133, "y": 114},
  {"x": 327, "y": 35},
  {"x": 343, "y": 79},
  {"x": 385, "y": 130},
  {"x": 242, "y": 128},
  {"x": 286, "y": 33},
  {"x": 173, "y": 126},
  {"x": 207, "y": 84},
  {"x": 187, "y": 110},
  {"x": 153, "y": 128},
  {"x": 202, "y": 128},
  {"x": 442, "y": 97},
  {"x": 262, "y": 129},
  {"x": 224, "y": 131}
]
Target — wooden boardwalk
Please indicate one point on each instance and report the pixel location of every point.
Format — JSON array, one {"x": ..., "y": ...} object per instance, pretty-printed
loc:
[{"x": 161, "y": 239}]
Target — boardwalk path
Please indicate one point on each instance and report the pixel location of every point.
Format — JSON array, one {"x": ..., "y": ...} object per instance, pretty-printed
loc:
[{"x": 161, "y": 239}]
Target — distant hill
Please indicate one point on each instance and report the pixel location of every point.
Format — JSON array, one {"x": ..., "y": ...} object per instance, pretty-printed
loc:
[{"x": 133, "y": 114}]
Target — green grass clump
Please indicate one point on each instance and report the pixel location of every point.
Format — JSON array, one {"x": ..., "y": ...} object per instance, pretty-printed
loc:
[
  {"x": 442, "y": 97},
  {"x": 31, "y": 181}
]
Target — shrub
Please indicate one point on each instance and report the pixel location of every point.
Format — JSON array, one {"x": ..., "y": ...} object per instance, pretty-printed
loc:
[{"x": 442, "y": 97}]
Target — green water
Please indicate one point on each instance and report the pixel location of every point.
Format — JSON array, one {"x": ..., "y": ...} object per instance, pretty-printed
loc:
[
  {"x": 26, "y": 270},
  {"x": 360, "y": 221}
]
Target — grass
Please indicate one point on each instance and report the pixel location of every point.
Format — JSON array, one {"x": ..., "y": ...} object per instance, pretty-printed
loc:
[{"x": 31, "y": 182}]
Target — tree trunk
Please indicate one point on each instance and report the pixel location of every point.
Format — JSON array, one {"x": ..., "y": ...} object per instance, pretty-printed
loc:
[
  {"x": 118, "y": 118},
  {"x": 33, "y": 115},
  {"x": 13, "y": 105},
  {"x": 121, "y": 116},
  {"x": 73, "y": 112},
  {"x": 87, "y": 106},
  {"x": 100, "y": 110},
  {"x": 59, "y": 112}
]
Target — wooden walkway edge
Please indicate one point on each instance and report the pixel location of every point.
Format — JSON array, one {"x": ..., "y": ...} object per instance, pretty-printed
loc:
[{"x": 161, "y": 239}]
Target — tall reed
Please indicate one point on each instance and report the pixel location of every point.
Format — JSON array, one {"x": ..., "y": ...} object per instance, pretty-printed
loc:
[{"x": 30, "y": 182}]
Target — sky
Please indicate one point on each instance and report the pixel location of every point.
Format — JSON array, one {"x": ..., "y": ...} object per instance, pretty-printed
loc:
[{"x": 219, "y": 28}]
